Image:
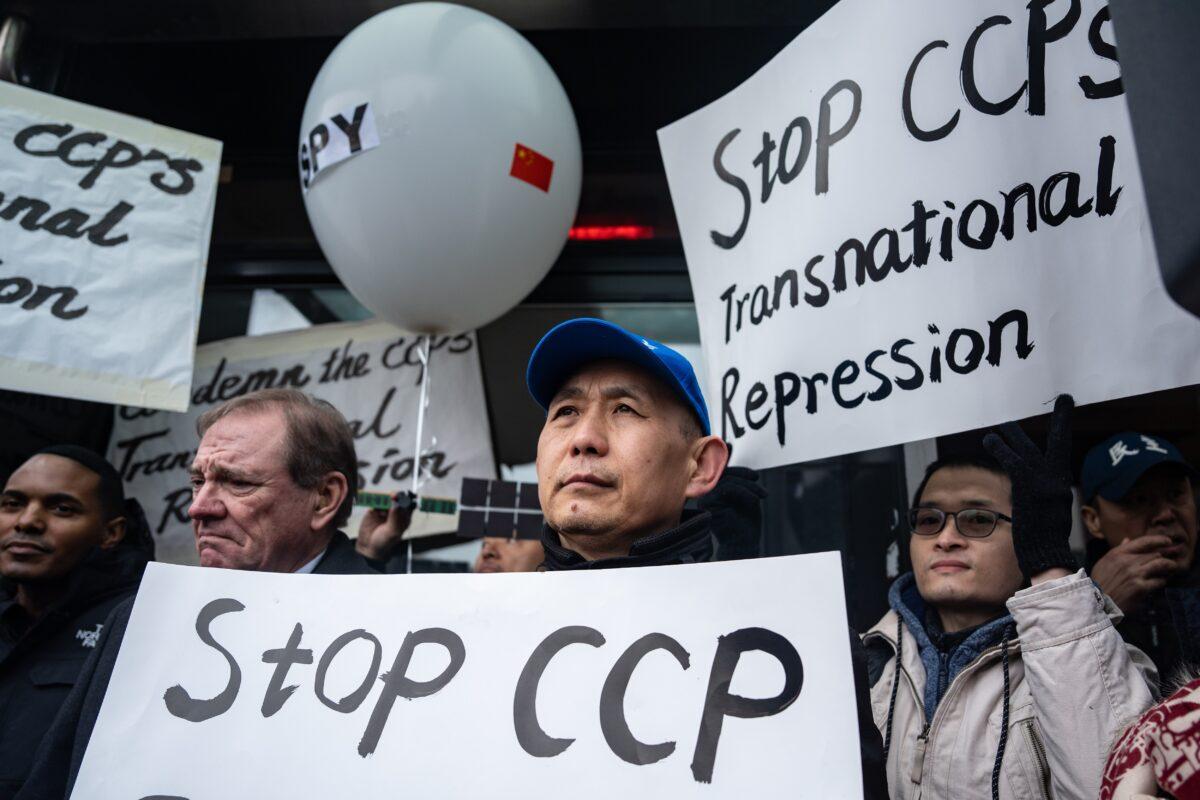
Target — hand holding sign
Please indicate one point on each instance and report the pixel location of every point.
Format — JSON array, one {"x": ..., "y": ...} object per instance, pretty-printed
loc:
[{"x": 441, "y": 166}]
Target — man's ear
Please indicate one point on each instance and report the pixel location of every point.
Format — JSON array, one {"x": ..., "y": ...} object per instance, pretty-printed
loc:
[
  {"x": 114, "y": 532},
  {"x": 330, "y": 494},
  {"x": 709, "y": 456},
  {"x": 1091, "y": 521}
]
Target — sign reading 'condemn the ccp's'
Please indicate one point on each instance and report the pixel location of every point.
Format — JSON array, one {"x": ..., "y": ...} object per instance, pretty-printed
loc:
[
  {"x": 919, "y": 218},
  {"x": 703, "y": 680}
]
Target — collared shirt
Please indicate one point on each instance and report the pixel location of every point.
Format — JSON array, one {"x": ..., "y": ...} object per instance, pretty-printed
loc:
[{"x": 310, "y": 566}]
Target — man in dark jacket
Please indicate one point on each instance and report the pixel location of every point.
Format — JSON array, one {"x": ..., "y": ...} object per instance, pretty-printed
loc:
[
  {"x": 71, "y": 549},
  {"x": 625, "y": 444},
  {"x": 1139, "y": 507},
  {"x": 273, "y": 479}
]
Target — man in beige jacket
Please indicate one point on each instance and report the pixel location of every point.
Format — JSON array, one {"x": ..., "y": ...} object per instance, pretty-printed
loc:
[{"x": 1012, "y": 681}]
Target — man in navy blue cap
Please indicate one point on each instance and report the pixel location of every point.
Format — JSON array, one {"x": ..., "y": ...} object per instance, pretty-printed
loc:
[
  {"x": 1140, "y": 511},
  {"x": 625, "y": 444}
]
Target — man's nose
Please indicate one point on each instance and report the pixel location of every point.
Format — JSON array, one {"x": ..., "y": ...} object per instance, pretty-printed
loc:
[
  {"x": 948, "y": 537},
  {"x": 31, "y": 520},
  {"x": 1163, "y": 512},
  {"x": 206, "y": 504},
  {"x": 590, "y": 435}
]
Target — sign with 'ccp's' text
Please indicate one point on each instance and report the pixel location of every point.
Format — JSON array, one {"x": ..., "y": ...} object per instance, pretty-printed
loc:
[
  {"x": 723, "y": 680},
  {"x": 920, "y": 218},
  {"x": 104, "y": 232},
  {"x": 371, "y": 372}
]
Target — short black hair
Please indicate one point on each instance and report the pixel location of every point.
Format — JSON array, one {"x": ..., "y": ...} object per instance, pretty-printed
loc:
[
  {"x": 977, "y": 460},
  {"x": 111, "y": 492}
]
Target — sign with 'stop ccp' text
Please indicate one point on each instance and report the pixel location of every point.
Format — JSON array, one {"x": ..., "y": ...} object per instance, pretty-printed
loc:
[
  {"x": 921, "y": 218},
  {"x": 370, "y": 371},
  {"x": 104, "y": 231},
  {"x": 723, "y": 680}
]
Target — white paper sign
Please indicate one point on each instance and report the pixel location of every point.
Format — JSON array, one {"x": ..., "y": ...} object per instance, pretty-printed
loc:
[
  {"x": 920, "y": 218},
  {"x": 104, "y": 229},
  {"x": 370, "y": 371},
  {"x": 725, "y": 680}
]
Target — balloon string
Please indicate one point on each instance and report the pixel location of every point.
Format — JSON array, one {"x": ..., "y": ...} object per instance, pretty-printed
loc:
[{"x": 423, "y": 354}]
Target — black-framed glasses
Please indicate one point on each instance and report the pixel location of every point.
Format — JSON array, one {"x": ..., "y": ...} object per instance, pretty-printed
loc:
[{"x": 975, "y": 523}]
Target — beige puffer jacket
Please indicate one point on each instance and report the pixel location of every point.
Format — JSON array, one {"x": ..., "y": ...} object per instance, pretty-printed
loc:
[{"x": 1073, "y": 687}]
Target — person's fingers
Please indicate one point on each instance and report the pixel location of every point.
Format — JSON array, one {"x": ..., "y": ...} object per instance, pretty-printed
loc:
[
  {"x": 370, "y": 521},
  {"x": 999, "y": 450},
  {"x": 1145, "y": 544},
  {"x": 1151, "y": 584},
  {"x": 1058, "y": 442},
  {"x": 1157, "y": 566},
  {"x": 1020, "y": 442}
]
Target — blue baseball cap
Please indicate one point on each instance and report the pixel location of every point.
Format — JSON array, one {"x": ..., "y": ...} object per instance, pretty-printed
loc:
[
  {"x": 1111, "y": 468},
  {"x": 576, "y": 342}
]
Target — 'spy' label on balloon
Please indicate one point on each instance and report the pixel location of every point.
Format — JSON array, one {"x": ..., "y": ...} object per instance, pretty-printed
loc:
[{"x": 335, "y": 139}]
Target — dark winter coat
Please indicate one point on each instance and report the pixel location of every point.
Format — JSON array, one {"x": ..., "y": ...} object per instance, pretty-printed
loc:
[
  {"x": 60, "y": 755},
  {"x": 40, "y": 662},
  {"x": 692, "y": 542},
  {"x": 1167, "y": 627}
]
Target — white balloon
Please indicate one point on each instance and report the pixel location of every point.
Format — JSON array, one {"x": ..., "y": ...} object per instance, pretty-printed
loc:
[{"x": 429, "y": 230}]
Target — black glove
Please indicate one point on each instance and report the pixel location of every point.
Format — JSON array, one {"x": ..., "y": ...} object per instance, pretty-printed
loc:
[
  {"x": 736, "y": 507},
  {"x": 1041, "y": 490}
]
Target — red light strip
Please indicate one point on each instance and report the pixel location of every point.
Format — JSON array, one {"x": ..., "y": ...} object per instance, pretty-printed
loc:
[{"x": 595, "y": 233}]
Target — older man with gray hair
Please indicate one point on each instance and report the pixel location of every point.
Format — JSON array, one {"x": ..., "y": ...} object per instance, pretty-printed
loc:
[{"x": 273, "y": 479}]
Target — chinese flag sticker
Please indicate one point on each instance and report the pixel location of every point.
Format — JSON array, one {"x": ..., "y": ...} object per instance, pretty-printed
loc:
[{"x": 532, "y": 167}]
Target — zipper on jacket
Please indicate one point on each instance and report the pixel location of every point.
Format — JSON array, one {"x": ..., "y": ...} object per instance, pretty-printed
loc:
[
  {"x": 1039, "y": 754},
  {"x": 917, "y": 767}
]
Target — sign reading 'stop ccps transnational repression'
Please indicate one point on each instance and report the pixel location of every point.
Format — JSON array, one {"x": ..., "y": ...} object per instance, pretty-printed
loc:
[
  {"x": 919, "y": 218},
  {"x": 104, "y": 233}
]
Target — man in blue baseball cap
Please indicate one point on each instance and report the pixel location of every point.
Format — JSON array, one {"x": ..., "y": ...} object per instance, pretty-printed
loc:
[
  {"x": 1140, "y": 512},
  {"x": 626, "y": 442},
  {"x": 625, "y": 445}
]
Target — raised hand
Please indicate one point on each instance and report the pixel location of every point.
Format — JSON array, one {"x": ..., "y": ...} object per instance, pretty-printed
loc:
[
  {"x": 1135, "y": 569},
  {"x": 380, "y": 532},
  {"x": 1041, "y": 490}
]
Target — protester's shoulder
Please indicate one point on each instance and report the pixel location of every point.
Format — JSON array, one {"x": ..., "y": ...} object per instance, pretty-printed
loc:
[
  {"x": 879, "y": 646},
  {"x": 341, "y": 558},
  {"x": 885, "y": 628},
  {"x": 118, "y": 619}
]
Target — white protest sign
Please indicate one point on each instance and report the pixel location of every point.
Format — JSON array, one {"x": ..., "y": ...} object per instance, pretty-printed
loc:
[
  {"x": 104, "y": 230},
  {"x": 333, "y": 140},
  {"x": 920, "y": 218},
  {"x": 370, "y": 371},
  {"x": 724, "y": 680}
]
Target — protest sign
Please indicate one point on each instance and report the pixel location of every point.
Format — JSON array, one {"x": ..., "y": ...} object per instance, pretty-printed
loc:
[
  {"x": 723, "y": 680},
  {"x": 104, "y": 230},
  {"x": 920, "y": 218},
  {"x": 370, "y": 371}
]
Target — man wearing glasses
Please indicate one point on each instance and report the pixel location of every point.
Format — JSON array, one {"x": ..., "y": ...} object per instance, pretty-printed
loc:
[{"x": 998, "y": 672}]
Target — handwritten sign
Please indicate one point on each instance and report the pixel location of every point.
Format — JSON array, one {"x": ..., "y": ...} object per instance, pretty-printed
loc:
[
  {"x": 703, "y": 680},
  {"x": 371, "y": 372},
  {"x": 104, "y": 228},
  {"x": 920, "y": 218}
]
